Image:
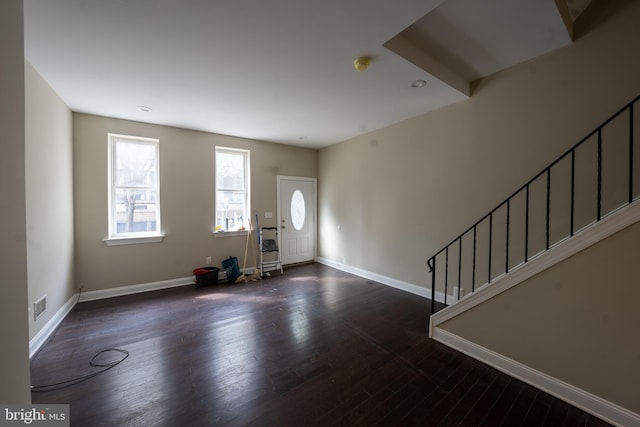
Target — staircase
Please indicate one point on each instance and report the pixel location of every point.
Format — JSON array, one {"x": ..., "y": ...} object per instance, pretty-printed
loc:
[
  {"x": 587, "y": 195},
  {"x": 594, "y": 179}
]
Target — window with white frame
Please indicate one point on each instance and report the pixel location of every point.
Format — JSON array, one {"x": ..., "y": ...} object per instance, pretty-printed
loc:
[
  {"x": 134, "y": 187},
  {"x": 232, "y": 189}
]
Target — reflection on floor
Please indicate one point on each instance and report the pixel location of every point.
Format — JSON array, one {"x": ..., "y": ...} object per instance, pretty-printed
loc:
[{"x": 316, "y": 346}]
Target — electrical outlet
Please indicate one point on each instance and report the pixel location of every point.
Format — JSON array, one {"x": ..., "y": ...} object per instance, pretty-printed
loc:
[{"x": 208, "y": 260}]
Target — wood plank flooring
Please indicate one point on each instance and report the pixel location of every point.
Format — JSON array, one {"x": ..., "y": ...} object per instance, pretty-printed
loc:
[{"x": 315, "y": 347}]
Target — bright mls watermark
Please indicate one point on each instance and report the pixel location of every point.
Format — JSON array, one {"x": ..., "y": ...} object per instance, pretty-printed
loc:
[{"x": 34, "y": 414}]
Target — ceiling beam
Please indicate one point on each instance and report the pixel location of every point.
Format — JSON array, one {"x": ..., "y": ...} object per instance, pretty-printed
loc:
[
  {"x": 565, "y": 14},
  {"x": 592, "y": 15},
  {"x": 402, "y": 46}
]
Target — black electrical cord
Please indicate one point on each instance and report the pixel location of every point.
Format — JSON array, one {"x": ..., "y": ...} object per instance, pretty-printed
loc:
[{"x": 73, "y": 381}]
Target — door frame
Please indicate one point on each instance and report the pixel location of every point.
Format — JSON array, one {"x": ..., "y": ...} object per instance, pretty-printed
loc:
[{"x": 315, "y": 210}]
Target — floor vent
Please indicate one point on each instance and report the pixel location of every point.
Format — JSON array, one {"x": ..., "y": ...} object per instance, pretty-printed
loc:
[{"x": 39, "y": 307}]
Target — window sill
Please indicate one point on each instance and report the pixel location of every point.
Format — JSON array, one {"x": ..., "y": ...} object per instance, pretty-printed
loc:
[
  {"x": 229, "y": 233},
  {"x": 117, "y": 241}
]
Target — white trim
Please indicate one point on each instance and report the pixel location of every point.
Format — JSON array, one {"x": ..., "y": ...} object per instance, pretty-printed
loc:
[
  {"x": 116, "y": 241},
  {"x": 584, "y": 400},
  {"x": 116, "y": 238},
  {"x": 135, "y": 289},
  {"x": 586, "y": 237},
  {"x": 246, "y": 165},
  {"x": 41, "y": 337},
  {"x": 389, "y": 281},
  {"x": 217, "y": 234}
]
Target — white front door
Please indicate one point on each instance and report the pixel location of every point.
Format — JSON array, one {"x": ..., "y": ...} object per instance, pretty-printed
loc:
[{"x": 297, "y": 218}]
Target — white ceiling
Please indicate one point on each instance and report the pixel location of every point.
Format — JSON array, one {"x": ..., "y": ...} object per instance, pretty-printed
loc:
[{"x": 278, "y": 70}]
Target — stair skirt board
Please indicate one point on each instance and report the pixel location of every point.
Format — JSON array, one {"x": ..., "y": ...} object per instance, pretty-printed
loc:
[
  {"x": 601, "y": 408},
  {"x": 588, "y": 236}
]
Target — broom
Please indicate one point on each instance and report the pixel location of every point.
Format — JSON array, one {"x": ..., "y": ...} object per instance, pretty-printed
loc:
[
  {"x": 256, "y": 271},
  {"x": 243, "y": 278}
]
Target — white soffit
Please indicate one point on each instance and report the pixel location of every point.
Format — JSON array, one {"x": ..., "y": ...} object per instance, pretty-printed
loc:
[{"x": 478, "y": 38}]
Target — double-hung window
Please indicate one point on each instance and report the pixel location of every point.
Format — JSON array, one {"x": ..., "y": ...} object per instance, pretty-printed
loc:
[
  {"x": 134, "y": 190},
  {"x": 232, "y": 189}
]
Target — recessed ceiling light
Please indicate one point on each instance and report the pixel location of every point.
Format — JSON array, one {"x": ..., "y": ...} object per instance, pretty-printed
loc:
[
  {"x": 418, "y": 83},
  {"x": 144, "y": 108}
]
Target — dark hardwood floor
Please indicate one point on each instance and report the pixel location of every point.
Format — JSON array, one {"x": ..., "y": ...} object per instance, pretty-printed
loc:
[{"x": 315, "y": 347}]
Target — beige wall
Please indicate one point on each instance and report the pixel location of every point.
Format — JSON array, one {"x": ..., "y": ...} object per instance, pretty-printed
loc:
[
  {"x": 14, "y": 328},
  {"x": 49, "y": 198},
  {"x": 187, "y": 197},
  {"x": 390, "y": 199},
  {"x": 576, "y": 321}
]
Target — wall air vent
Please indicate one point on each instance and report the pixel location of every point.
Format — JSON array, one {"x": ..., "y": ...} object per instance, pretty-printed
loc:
[{"x": 39, "y": 307}]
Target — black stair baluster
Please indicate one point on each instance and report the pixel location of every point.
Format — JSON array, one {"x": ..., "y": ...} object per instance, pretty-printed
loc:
[
  {"x": 506, "y": 268},
  {"x": 459, "y": 266},
  {"x": 432, "y": 266},
  {"x": 490, "y": 244},
  {"x": 573, "y": 191},
  {"x": 473, "y": 275},
  {"x": 572, "y": 151},
  {"x": 548, "y": 207},
  {"x": 599, "y": 174},
  {"x": 526, "y": 226},
  {"x": 446, "y": 274},
  {"x": 631, "y": 153}
]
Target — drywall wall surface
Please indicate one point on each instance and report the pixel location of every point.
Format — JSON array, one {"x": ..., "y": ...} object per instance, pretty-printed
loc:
[
  {"x": 14, "y": 327},
  {"x": 392, "y": 198},
  {"x": 577, "y": 321},
  {"x": 187, "y": 190},
  {"x": 49, "y": 198}
]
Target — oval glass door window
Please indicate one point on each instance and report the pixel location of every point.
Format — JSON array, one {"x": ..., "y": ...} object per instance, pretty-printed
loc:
[{"x": 297, "y": 210}]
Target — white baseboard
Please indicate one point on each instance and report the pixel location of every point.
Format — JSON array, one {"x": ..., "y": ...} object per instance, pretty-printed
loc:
[
  {"x": 135, "y": 289},
  {"x": 146, "y": 287},
  {"x": 586, "y": 401},
  {"x": 43, "y": 335},
  {"x": 389, "y": 281}
]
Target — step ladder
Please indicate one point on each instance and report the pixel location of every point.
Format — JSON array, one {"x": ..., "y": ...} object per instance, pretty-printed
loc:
[{"x": 268, "y": 242}]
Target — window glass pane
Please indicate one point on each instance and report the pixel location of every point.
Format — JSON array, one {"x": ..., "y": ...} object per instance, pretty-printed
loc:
[
  {"x": 297, "y": 210},
  {"x": 135, "y": 164},
  {"x": 230, "y": 171},
  {"x": 232, "y": 189},
  {"x": 135, "y": 211},
  {"x": 230, "y": 210},
  {"x": 134, "y": 202}
]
